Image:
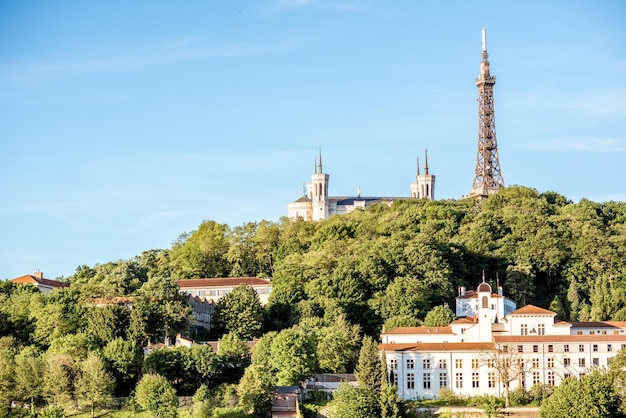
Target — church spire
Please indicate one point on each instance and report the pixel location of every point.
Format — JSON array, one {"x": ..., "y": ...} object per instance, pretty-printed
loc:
[
  {"x": 418, "y": 168},
  {"x": 426, "y": 162},
  {"x": 315, "y": 165},
  {"x": 320, "y": 166}
]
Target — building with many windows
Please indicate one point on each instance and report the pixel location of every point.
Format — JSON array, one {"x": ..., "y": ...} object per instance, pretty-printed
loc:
[{"x": 471, "y": 355}]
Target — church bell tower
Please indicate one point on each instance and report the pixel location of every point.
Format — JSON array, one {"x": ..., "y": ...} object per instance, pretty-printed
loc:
[
  {"x": 424, "y": 186},
  {"x": 488, "y": 177},
  {"x": 319, "y": 192}
]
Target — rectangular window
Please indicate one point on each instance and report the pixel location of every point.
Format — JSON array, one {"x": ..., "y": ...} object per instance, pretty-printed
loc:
[
  {"x": 566, "y": 362},
  {"x": 566, "y": 375},
  {"x": 550, "y": 362},
  {"x": 609, "y": 348},
  {"x": 395, "y": 378},
  {"x": 474, "y": 380},
  {"x": 443, "y": 364},
  {"x": 443, "y": 380},
  {"x": 524, "y": 329},
  {"x": 393, "y": 364},
  {"x": 595, "y": 362},
  {"x": 566, "y": 348},
  {"x": 520, "y": 348},
  {"x": 579, "y": 333},
  {"x": 410, "y": 381},
  {"x": 475, "y": 363},
  {"x": 535, "y": 363},
  {"x": 542, "y": 329},
  {"x": 426, "y": 380},
  {"x": 581, "y": 348},
  {"x": 581, "y": 362},
  {"x": 551, "y": 378},
  {"x": 426, "y": 363},
  {"x": 459, "y": 380},
  {"x": 410, "y": 363},
  {"x": 536, "y": 378},
  {"x": 491, "y": 380},
  {"x": 595, "y": 348},
  {"x": 458, "y": 363},
  {"x": 535, "y": 348},
  {"x": 592, "y": 332},
  {"x": 550, "y": 348}
]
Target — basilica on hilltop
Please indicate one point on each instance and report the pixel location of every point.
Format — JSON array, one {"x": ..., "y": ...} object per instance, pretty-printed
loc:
[{"x": 315, "y": 203}]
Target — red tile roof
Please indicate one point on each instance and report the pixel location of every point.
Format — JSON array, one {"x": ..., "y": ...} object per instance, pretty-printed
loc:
[
  {"x": 29, "y": 279},
  {"x": 436, "y": 347},
  {"x": 420, "y": 330},
  {"x": 559, "y": 338},
  {"x": 223, "y": 282},
  {"x": 532, "y": 310}
]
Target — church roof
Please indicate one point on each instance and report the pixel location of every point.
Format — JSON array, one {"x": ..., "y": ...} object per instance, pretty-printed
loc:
[
  {"x": 349, "y": 200},
  {"x": 302, "y": 199},
  {"x": 532, "y": 310}
]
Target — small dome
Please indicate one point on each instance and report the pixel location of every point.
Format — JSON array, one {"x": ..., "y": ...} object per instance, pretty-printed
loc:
[{"x": 484, "y": 287}]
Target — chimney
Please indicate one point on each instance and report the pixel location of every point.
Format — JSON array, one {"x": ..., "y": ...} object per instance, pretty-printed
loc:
[
  {"x": 38, "y": 274},
  {"x": 462, "y": 290},
  {"x": 500, "y": 291}
]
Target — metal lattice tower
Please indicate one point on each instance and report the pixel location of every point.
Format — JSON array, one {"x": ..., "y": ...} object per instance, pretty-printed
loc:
[{"x": 488, "y": 177}]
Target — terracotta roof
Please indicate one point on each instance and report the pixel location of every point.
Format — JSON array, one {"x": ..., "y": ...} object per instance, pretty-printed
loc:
[
  {"x": 436, "y": 347},
  {"x": 465, "y": 320},
  {"x": 223, "y": 282},
  {"x": 532, "y": 310},
  {"x": 419, "y": 330},
  {"x": 29, "y": 279},
  {"x": 602, "y": 324},
  {"x": 559, "y": 338}
]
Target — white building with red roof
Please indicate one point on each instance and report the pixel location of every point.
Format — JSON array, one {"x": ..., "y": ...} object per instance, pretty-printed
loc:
[
  {"x": 462, "y": 357},
  {"x": 36, "y": 279}
]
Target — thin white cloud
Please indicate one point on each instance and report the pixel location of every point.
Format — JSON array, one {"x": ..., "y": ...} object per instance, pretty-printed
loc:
[
  {"x": 281, "y": 6},
  {"x": 577, "y": 144}
]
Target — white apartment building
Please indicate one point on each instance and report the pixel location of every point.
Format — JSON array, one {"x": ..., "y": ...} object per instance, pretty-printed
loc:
[{"x": 469, "y": 355}]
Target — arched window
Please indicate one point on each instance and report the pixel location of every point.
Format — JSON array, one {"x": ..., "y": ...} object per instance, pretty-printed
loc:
[
  {"x": 427, "y": 191},
  {"x": 485, "y": 302}
]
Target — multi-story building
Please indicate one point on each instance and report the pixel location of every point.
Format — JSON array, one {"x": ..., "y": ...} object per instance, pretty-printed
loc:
[
  {"x": 204, "y": 294},
  {"x": 473, "y": 355}
]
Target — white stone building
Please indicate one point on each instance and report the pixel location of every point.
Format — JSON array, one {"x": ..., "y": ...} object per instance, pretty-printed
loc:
[
  {"x": 465, "y": 356},
  {"x": 316, "y": 204}
]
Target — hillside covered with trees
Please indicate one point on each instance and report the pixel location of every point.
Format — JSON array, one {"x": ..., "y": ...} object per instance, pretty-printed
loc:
[{"x": 335, "y": 282}]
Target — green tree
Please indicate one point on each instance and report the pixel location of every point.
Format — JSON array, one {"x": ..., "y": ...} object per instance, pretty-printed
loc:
[
  {"x": 233, "y": 357},
  {"x": 338, "y": 346},
  {"x": 439, "y": 316},
  {"x": 29, "y": 375},
  {"x": 255, "y": 389},
  {"x": 591, "y": 396},
  {"x": 369, "y": 373},
  {"x": 94, "y": 386},
  {"x": 557, "y": 306},
  {"x": 124, "y": 360},
  {"x": 7, "y": 370},
  {"x": 157, "y": 396},
  {"x": 240, "y": 313},
  {"x": 293, "y": 357},
  {"x": 58, "y": 382},
  {"x": 201, "y": 253},
  {"x": 353, "y": 402},
  {"x": 401, "y": 321}
]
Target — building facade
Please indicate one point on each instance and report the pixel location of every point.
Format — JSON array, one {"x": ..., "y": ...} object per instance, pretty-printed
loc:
[
  {"x": 316, "y": 204},
  {"x": 473, "y": 354}
]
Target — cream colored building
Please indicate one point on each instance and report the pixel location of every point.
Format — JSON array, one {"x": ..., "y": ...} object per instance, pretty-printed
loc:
[
  {"x": 466, "y": 355},
  {"x": 316, "y": 204}
]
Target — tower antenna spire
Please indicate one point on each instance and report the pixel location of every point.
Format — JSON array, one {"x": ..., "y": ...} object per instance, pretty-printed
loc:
[
  {"x": 426, "y": 162},
  {"x": 487, "y": 176},
  {"x": 418, "y": 168}
]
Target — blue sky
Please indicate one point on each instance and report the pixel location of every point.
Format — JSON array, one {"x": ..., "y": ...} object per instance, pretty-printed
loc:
[{"x": 125, "y": 123}]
